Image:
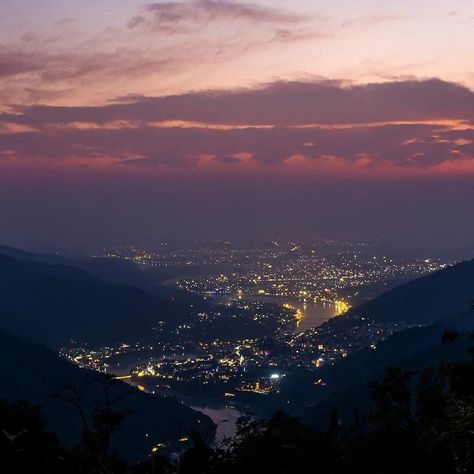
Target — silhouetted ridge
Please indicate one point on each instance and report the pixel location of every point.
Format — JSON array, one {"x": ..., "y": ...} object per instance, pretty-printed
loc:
[
  {"x": 33, "y": 373},
  {"x": 426, "y": 299},
  {"x": 56, "y": 303}
]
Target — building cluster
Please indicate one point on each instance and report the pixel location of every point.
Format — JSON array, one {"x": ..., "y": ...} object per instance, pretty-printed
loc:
[{"x": 251, "y": 365}]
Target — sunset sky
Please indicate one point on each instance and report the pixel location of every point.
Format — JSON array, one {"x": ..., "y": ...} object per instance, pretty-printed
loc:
[{"x": 213, "y": 118}]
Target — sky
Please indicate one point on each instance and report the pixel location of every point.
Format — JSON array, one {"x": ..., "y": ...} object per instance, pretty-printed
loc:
[{"x": 133, "y": 121}]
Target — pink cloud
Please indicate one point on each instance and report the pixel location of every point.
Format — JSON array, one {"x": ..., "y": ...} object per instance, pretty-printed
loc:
[{"x": 410, "y": 125}]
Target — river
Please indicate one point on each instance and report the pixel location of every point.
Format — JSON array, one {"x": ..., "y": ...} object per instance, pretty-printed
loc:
[
  {"x": 311, "y": 314},
  {"x": 224, "y": 418}
]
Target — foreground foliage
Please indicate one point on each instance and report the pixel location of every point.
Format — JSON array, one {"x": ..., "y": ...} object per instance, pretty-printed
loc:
[{"x": 420, "y": 423}]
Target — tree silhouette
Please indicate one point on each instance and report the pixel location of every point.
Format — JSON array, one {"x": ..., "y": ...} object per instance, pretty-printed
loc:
[{"x": 102, "y": 423}]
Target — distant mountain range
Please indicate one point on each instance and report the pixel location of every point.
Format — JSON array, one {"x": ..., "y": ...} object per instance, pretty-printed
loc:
[
  {"x": 113, "y": 270},
  {"x": 56, "y": 299},
  {"x": 53, "y": 304}
]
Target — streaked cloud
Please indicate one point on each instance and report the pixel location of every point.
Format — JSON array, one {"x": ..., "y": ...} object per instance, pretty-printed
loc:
[
  {"x": 160, "y": 45},
  {"x": 184, "y": 17}
]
